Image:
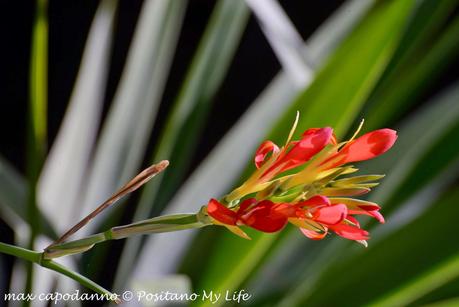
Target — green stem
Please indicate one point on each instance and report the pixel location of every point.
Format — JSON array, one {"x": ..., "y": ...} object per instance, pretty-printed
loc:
[
  {"x": 154, "y": 225},
  {"x": 20, "y": 252},
  {"x": 80, "y": 279},
  {"x": 35, "y": 257}
]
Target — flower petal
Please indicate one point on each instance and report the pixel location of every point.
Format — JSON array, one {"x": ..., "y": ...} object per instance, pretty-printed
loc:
[
  {"x": 238, "y": 231},
  {"x": 264, "y": 217},
  {"x": 368, "y": 210},
  {"x": 265, "y": 148},
  {"x": 313, "y": 141},
  {"x": 315, "y": 201},
  {"x": 330, "y": 215},
  {"x": 221, "y": 213},
  {"x": 245, "y": 205},
  {"x": 353, "y": 220},
  {"x": 350, "y": 232},
  {"x": 368, "y": 146},
  {"x": 314, "y": 235}
]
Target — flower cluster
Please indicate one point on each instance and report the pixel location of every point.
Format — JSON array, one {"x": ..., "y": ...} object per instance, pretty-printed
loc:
[{"x": 299, "y": 184}]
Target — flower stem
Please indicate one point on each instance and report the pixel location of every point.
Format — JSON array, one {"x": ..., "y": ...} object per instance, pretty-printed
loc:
[
  {"x": 158, "y": 224},
  {"x": 37, "y": 257}
]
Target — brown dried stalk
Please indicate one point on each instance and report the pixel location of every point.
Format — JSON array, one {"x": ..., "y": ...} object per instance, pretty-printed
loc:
[{"x": 129, "y": 187}]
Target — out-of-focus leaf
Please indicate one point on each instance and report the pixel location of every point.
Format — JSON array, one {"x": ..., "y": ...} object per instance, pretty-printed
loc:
[
  {"x": 416, "y": 152},
  {"x": 417, "y": 141},
  {"x": 440, "y": 274},
  {"x": 13, "y": 193},
  {"x": 446, "y": 292},
  {"x": 454, "y": 302},
  {"x": 124, "y": 136},
  {"x": 396, "y": 261},
  {"x": 427, "y": 19},
  {"x": 185, "y": 122},
  {"x": 417, "y": 68},
  {"x": 229, "y": 157},
  {"x": 284, "y": 39},
  {"x": 65, "y": 167},
  {"x": 373, "y": 41},
  {"x": 37, "y": 123}
]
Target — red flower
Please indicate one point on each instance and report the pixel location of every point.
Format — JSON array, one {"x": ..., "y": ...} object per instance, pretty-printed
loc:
[
  {"x": 264, "y": 216},
  {"x": 294, "y": 153},
  {"x": 366, "y": 147},
  {"x": 324, "y": 161},
  {"x": 315, "y": 217}
]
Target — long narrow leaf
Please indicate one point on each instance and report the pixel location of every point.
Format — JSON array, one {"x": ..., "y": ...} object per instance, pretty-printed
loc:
[
  {"x": 124, "y": 135},
  {"x": 284, "y": 39},
  {"x": 65, "y": 167},
  {"x": 416, "y": 138}
]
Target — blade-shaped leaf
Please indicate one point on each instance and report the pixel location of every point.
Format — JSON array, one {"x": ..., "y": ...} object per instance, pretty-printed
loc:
[
  {"x": 414, "y": 75},
  {"x": 439, "y": 275},
  {"x": 417, "y": 138},
  {"x": 124, "y": 136},
  {"x": 284, "y": 39},
  {"x": 65, "y": 167},
  {"x": 395, "y": 260}
]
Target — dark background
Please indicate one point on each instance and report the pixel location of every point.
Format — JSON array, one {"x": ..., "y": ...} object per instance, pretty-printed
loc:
[{"x": 251, "y": 70}]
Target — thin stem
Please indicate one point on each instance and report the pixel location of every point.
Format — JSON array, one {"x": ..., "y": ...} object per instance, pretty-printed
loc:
[
  {"x": 129, "y": 187},
  {"x": 20, "y": 252},
  {"x": 35, "y": 257},
  {"x": 155, "y": 225},
  {"x": 80, "y": 279}
]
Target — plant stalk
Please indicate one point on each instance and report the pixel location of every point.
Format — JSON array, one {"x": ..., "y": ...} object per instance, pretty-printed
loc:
[{"x": 36, "y": 257}]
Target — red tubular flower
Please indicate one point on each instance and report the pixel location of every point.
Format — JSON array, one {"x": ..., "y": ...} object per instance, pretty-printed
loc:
[
  {"x": 368, "y": 146},
  {"x": 221, "y": 213},
  {"x": 294, "y": 153},
  {"x": 315, "y": 217},
  {"x": 265, "y": 148},
  {"x": 264, "y": 216}
]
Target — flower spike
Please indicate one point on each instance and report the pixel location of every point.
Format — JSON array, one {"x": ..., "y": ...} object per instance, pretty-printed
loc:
[{"x": 313, "y": 198}]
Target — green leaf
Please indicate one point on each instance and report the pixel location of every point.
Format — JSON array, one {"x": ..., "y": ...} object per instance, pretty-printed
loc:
[
  {"x": 419, "y": 144},
  {"x": 424, "y": 53},
  {"x": 440, "y": 274},
  {"x": 66, "y": 165},
  {"x": 446, "y": 303},
  {"x": 396, "y": 262},
  {"x": 125, "y": 133},
  {"x": 418, "y": 138}
]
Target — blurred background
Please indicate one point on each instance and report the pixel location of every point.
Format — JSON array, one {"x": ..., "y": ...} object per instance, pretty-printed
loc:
[{"x": 94, "y": 91}]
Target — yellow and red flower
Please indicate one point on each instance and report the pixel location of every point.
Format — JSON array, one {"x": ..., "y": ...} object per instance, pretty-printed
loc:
[
  {"x": 315, "y": 217},
  {"x": 311, "y": 198}
]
